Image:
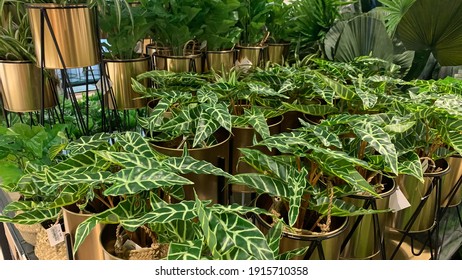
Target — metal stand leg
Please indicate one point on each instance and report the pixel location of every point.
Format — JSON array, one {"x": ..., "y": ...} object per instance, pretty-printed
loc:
[
  {"x": 413, "y": 218},
  {"x": 4, "y": 246},
  {"x": 315, "y": 244}
]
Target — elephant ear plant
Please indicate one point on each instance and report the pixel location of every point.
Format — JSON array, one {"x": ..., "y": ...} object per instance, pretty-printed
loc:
[
  {"x": 187, "y": 109},
  {"x": 308, "y": 179}
]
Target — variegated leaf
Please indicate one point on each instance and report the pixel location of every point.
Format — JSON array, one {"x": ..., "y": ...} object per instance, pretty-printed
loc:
[
  {"x": 342, "y": 91},
  {"x": 238, "y": 209},
  {"x": 15, "y": 206},
  {"x": 136, "y": 179},
  {"x": 273, "y": 237},
  {"x": 380, "y": 141},
  {"x": 86, "y": 143},
  {"x": 207, "y": 95},
  {"x": 258, "y": 121},
  {"x": 296, "y": 186},
  {"x": 190, "y": 250},
  {"x": 178, "y": 231},
  {"x": 33, "y": 216},
  {"x": 134, "y": 142},
  {"x": 322, "y": 132},
  {"x": 262, "y": 184},
  {"x": 410, "y": 164},
  {"x": 184, "y": 211},
  {"x": 156, "y": 117},
  {"x": 264, "y": 163},
  {"x": 129, "y": 160},
  {"x": 311, "y": 109},
  {"x": 188, "y": 164},
  {"x": 293, "y": 253},
  {"x": 340, "y": 208},
  {"x": 206, "y": 125},
  {"x": 220, "y": 113}
]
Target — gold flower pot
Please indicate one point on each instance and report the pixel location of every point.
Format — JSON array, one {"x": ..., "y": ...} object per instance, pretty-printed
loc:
[
  {"x": 220, "y": 60},
  {"x": 278, "y": 52},
  {"x": 416, "y": 191},
  {"x": 364, "y": 242},
  {"x": 331, "y": 241},
  {"x": 91, "y": 248},
  {"x": 256, "y": 56},
  {"x": 153, "y": 50},
  {"x": 20, "y": 84},
  {"x": 206, "y": 186},
  {"x": 449, "y": 182},
  {"x": 179, "y": 64},
  {"x": 74, "y": 28},
  {"x": 120, "y": 73}
]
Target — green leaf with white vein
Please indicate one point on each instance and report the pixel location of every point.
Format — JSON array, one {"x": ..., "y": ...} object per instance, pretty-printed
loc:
[
  {"x": 129, "y": 160},
  {"x": 380, "y": 141},
  {"x": 256, "y": 119},
  {"x": 220, "y": 113},
  {"x": 206, "y": 126},
  {"x": 188, "y": 164},
  {"x": 190, "y": 250},
  {"x": 264, "y": 163},
  {"x": 19, "y": 206},
  {"x": 86, "y": 143},
  {"x": 296, "y": 186},
  {"x": 156, "y": 117},
  {"x": 134, "y": 142},
  {"x": 311, "y": 109},
  {"x": 273, "y": 237},
  {"x": 326, "y": 137},
  {"x": 262, "y": 184},
  {"x": 218, "y": 242},
  {"x": 340, "y": 208},
  {"x": 136, "y": 179},
  {"x": 238, "y": 209},
  {"x": 185, "y": 210},
  {"x": 34, "y": 216},
  {"x": 243, "y": 233},
  {"x": 410, "y": 164}
]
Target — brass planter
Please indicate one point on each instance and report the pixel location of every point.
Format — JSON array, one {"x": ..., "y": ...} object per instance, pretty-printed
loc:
[
  {"x": 278, "y": 53},
  {"x": 153, "y": 50},
  {"x": 75, "y": 31},
  {"x": 91, "y": 248},
  {"x": 220, "y": 60},
  {"x": 415, "y": 191},
  {"x": 179, "y": 64},
  {"x": 364, "y": 243},
  {"x": 258, "y": 56},
  {"x": 331, "y": 241},
  {"x": 243, "y": 138},
  {"x": 206, "y": 186},
  {"x": 20, "y": 85},
  {"x": 449, "y": 182},
  {"x": 121, "y": 72},
  {"x": 107, "y": 240}
]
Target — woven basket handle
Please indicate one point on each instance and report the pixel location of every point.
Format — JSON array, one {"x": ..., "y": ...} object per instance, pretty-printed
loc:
[
  {"x": 119, "y": 239},
  {"x": 190, "y": 42}
]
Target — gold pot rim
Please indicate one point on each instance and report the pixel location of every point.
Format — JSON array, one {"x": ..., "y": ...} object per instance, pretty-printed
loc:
[
  {"x": 278, "y": 44},
  {"x": 381, "y": 195},
  {"x": 252, "y": 47},
  {"x": 443, "y": 163},
  {"x": 56, "y": 6},
  {"x": 222, "y": 51},
  {"x": 7, "y": 61},
  {"x": 306, "y": 235},
  {"x": 191, "y": 56},
  {"x": 119, "y": 60}
]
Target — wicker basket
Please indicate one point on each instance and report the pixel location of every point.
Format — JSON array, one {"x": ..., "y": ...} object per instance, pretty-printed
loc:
[
  {"x": 155, "y": 252},
  {"x": 28, "y": 232},
  {"x": 44, "y": 251}
]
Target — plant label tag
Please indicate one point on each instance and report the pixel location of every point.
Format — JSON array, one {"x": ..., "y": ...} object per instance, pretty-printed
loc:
[
  {"x": 130, "y": 245},
  {"x": 55, "y": 235},
  {"x": 398, "y": 201}
]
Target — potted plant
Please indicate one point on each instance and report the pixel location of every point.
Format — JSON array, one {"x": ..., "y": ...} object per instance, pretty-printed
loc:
[
  {"x": 220, "y": 34},
  {"x": 189, "y": 114},
  {"x": 125, "y": 26},
  {"x": 177, "y": 27},
  {"x": 252, "y": 45},
  {"x": 303, "y": 187},
  {"x": 279, "y": 24},
  {"x": 21, "y": 79}
]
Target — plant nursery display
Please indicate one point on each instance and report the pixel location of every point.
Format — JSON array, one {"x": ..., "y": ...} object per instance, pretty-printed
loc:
[{"x": 244, "y": 130}]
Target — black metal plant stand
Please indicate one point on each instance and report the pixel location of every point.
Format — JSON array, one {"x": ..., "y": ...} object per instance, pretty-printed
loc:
[{"x": 69, "y": 92}]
